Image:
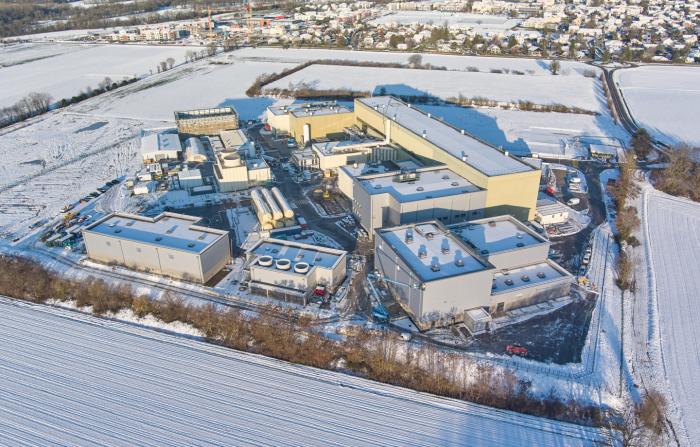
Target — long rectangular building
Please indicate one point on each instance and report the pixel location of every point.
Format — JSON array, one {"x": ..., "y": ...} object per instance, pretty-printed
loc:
[
  {"x": 169, "y": 244},
  {"x": 511, "y": 184}
]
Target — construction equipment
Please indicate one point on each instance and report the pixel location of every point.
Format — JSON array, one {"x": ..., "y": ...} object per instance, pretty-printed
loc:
[{"x": 516, "y": 349}]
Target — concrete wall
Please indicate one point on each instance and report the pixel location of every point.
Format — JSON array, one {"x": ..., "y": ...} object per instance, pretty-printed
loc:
[
  {"x": 320, "y": 125},
  {"x": 206, "y": 125},
  {"x": 526, "y": 296},
  {"x": 519, "y": 257},
  {"x": 280, "y": 123},
  {"x": 214, "y": 258},
  {"x": 514, "y": 194},
  {"x": 281, "y": 278}
]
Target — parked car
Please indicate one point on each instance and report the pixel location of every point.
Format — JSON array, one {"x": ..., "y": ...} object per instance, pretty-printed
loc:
[{"x": 516, "y": 349}]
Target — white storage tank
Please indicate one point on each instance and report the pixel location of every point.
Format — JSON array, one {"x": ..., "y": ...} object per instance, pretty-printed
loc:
[
  {"x": 276, "y": 211},
  {"x": 263, "y": 211},
  {"x": 282, "y": 201}
]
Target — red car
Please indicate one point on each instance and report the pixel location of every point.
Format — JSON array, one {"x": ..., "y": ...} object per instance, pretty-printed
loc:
[{"x": 516, "y": 350}]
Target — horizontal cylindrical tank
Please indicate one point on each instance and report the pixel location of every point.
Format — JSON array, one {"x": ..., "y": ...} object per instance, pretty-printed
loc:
[
  {"x": 262, "y": 210},
  {"x": 276, "y": 211},
  {"x": 282, "y": 201}
]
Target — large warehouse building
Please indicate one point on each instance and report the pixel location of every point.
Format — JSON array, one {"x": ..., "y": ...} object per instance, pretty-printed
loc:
[
  {"x": 496, "y": 264},
  {"x": 169, "y": 244},
  {"x": 393, "y": 198},
  {"x": 295, "y": 268},
  {"x": 511, "y": 184}
]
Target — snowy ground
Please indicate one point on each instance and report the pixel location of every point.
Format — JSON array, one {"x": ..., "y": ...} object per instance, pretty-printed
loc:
[
  {"x": 97, "y": 381},
  {"x": 532, "y": 67},
  {"x": 193, "y": 86},
  {"x": 58, "y": 159},
  {"x": 64, "y": 70},
  {"x": 576, "y": 91},
  {"x": 668, "y": 287},
  {"x": 648, "y": 90}
]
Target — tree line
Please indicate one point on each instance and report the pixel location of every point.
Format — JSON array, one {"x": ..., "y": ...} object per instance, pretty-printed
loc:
[{"x": 281, "y": 334}]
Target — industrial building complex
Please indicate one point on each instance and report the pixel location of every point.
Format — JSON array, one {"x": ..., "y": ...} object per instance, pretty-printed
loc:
[
  {"x": 169, "y": 244},
  {"x": 444, "y": 208}
]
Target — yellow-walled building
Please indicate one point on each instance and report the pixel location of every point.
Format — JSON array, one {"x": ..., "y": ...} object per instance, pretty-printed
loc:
[
  {"x": 511, "y": 184},
  {"x": 305, "y": 122}
]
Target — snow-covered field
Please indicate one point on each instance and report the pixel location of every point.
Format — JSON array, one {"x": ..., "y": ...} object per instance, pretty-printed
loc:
[
  {"x": 672, "y": 230},
  {"x": 539, "y": 67},
  {"x": 577, "y": 91},
  {"x": 664, "y": 100},
  {"x": 90, "y": 381},
  {"x": 58, "y": 159},
  {"x": 189, "y": 87},
  {"x": 478, "y": 22},
  {"x": 65, "y": 70}
]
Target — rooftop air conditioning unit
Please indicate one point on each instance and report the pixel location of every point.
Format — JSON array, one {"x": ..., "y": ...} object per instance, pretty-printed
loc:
[
  {"x": 409, "y": 236},
  {"x": 422, "y": 253},
  {"x": 459, "y": 262},
  {"x": 429, "y": 236},
  {"x": 435, "y": 267}
]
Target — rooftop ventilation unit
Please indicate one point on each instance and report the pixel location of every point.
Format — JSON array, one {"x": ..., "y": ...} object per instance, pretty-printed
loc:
[
  {"x": 171, "y": 229},
  {"x": 130, "y": 223},
  {"x": 422, "y": 253},
  {"x": 465, "y": 157},
  {"x": 190, "y": 245},
  {"x": 158, "y": 238},
  {"x": 430, "y": 115},
  {"x": 429, "y": 235},
  {"x": 509, "y": 282},
  {"x": 425, "y": 134},
  {"x": 420, "y": 188},
  {"x": 445, "y": 248},
  {"x": 492, "y": 223},
  {"x": 462, "y": 131},
  {"x": 202, "y": 236},
  {"x": 519, "y": 244},
  {"x": 445, "y": 177},
  {"x": 459, "y": 262},
  {"x": 283, "y": 264},
  {"x": 265, "y": 261},
  {"x": 525, "y": 278},
  {"x": 355, "y": 165},
  {"x": 118, "y": 230},
  {"x": 407, "y": 176},
  {"x": 454, "y": 184},
  {"x": 301, "y": 267},
  {"x": 541, "y": 275},
  {"x": 435, "y": 267},
  {"x": 409, "y": 236}
]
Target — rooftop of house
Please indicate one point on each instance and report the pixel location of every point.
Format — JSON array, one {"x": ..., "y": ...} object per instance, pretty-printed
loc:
[
  {"x": 472, "y": 151},
  {"x": 497, "y": 234},
  {"x": 170, "y": 230},
  {"x": 430, "y": 251}
]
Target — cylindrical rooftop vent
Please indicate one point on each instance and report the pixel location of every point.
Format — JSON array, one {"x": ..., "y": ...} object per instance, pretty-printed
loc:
[
  {"x": 283, "y": 264},
  {"x": 265, "y": 261},
  {"x": 301, "y": 267}
]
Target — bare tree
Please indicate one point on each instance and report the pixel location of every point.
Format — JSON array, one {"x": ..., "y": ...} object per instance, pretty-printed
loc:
[
  {"x": 554, "y": 67},
  {"x": 170, "y": 61},
  {"x": 415, "y": 60}
]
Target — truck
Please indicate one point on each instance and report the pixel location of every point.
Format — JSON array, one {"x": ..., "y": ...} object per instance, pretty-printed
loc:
[
  {"x": 573, "y": 201},
  {"x": 302, "y": 223}
]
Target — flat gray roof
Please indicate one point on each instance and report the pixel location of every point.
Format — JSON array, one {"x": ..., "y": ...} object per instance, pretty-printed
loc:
[
  {"x": 310, "y": 108},
  {"x": 527, "y": 276},
  {"x": 297, "y": 252},
  {"x": 497, "y": 234},
  {"x": 170, "y": 230},
  {"x": 431, "y": 251},
  {"x": 432, "y": 183},
  {"x": 480, "y": 155}
]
